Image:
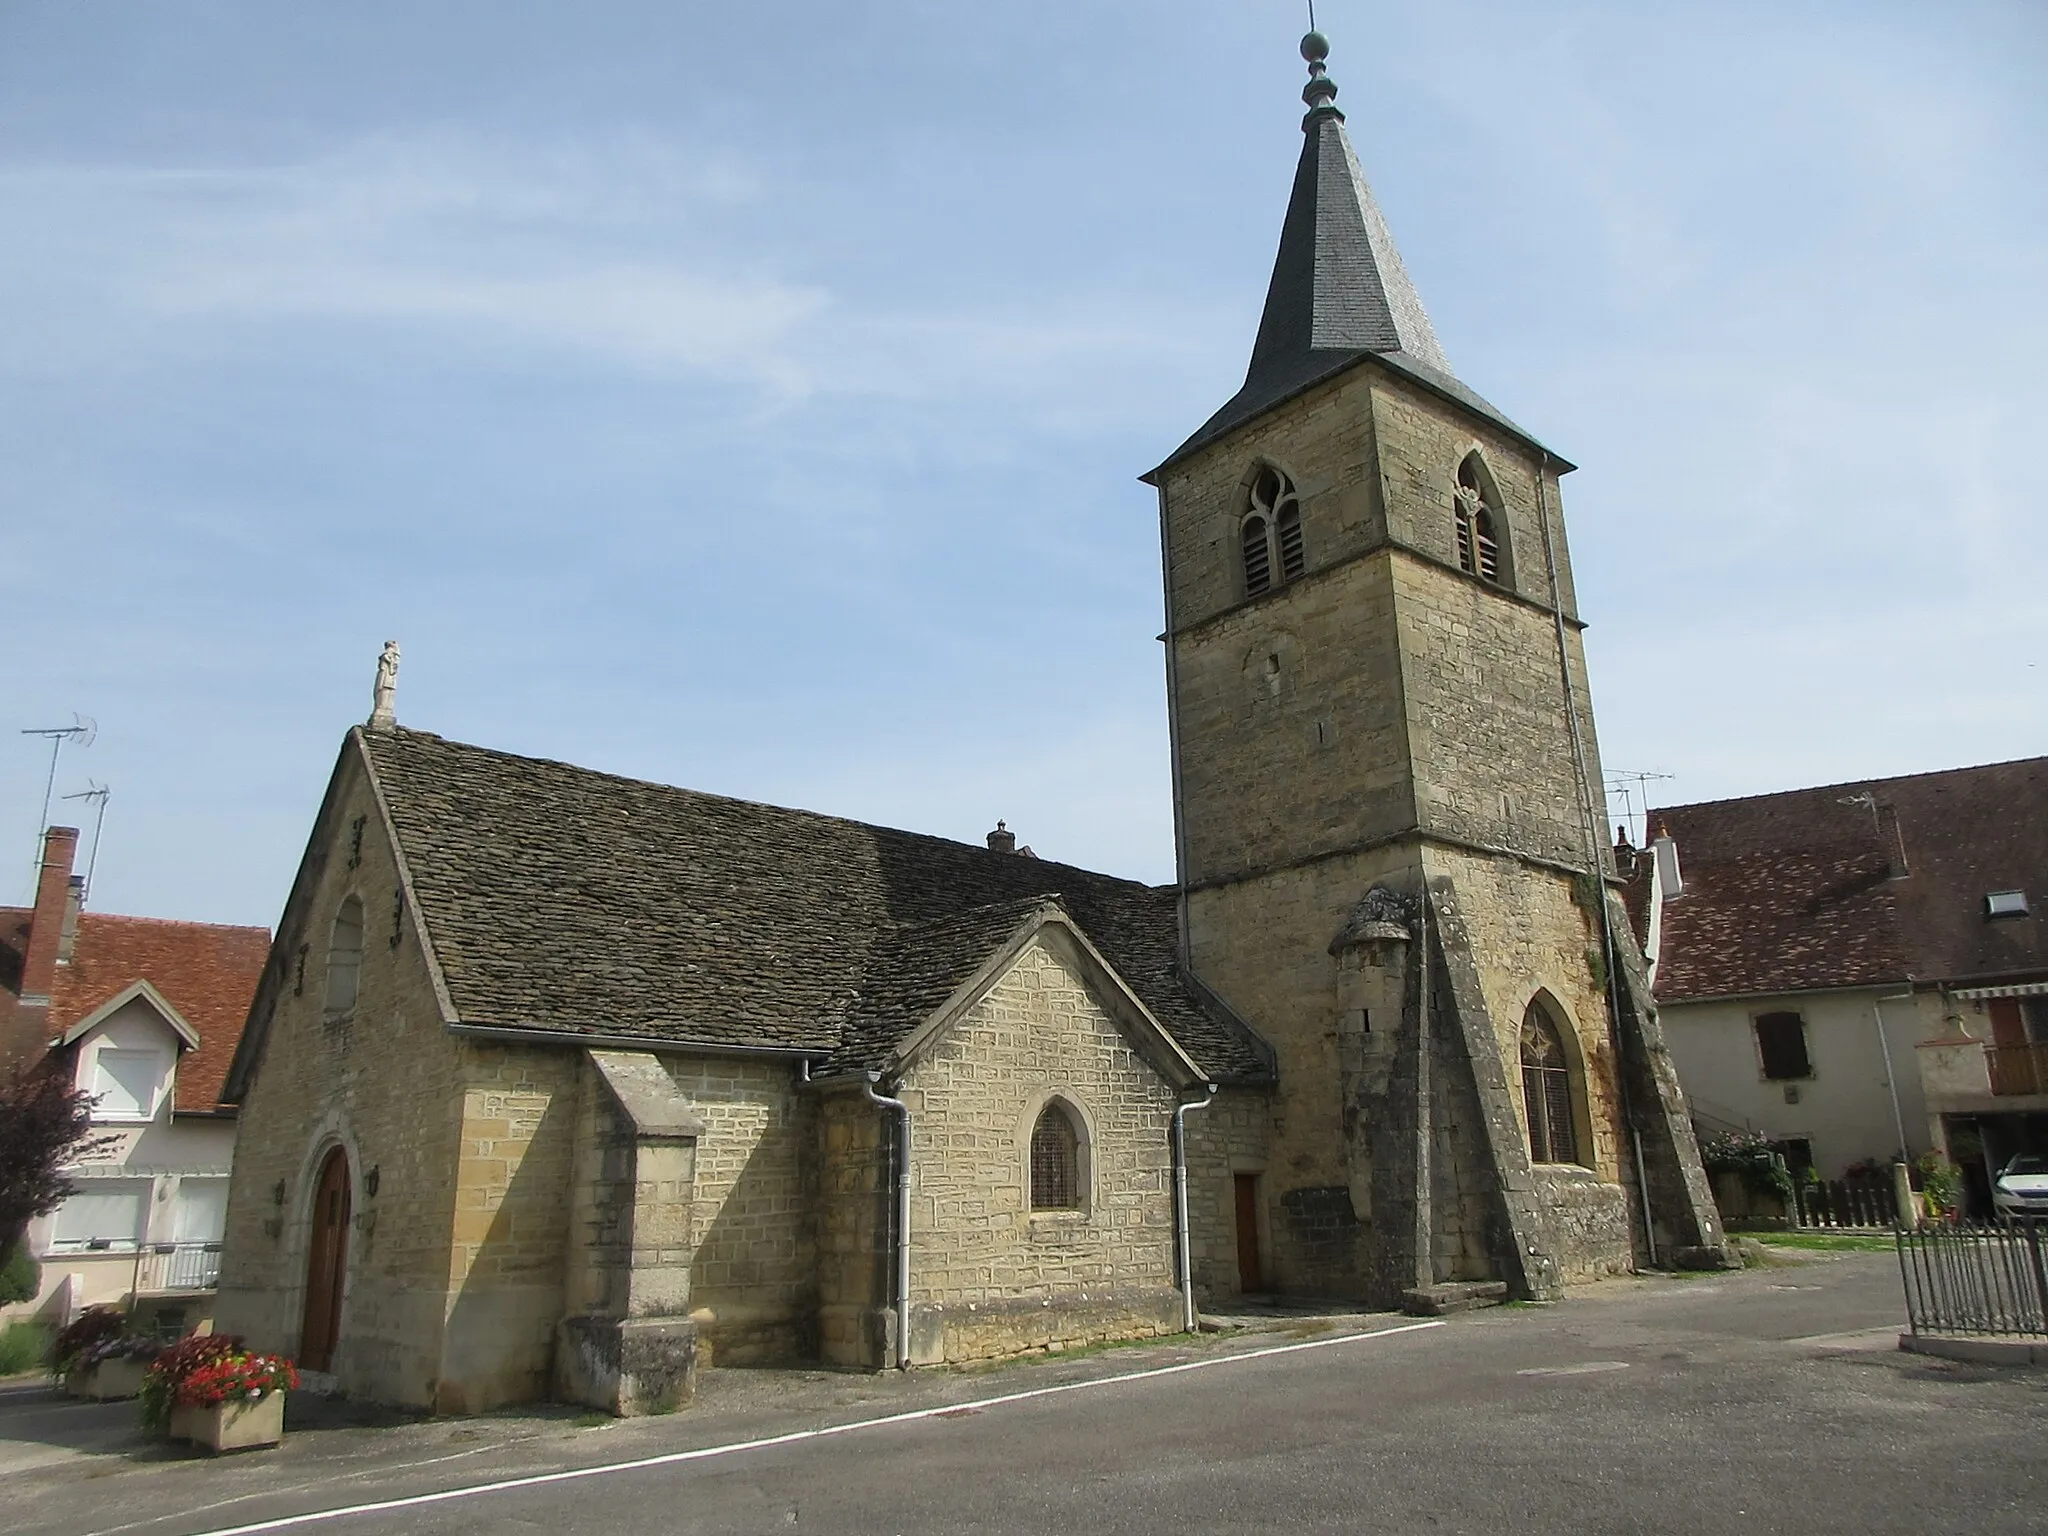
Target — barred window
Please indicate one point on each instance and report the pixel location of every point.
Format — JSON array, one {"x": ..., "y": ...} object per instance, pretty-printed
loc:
[
  {"x": 1547, "y": 1090},
  {"x": 1270, "y": 537},
  {"x": 1055, "y": 1162}
]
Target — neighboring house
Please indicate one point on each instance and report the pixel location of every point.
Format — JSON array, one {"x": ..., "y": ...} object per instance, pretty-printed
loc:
[
  {"x": 1861, "y": 969},
  {"x": 554, "y": 1077},
  {"x": 144, "y": 1014}
]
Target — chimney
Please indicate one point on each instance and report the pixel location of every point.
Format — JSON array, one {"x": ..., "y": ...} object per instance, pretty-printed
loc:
[
  {"x": 1002, "y": 840},
  {"x": 28, "y": 1032},
  {"x": 67, "y": 939},
  {"x": 1891, "y": 841},
  {"x": 1669, "y": 878}
]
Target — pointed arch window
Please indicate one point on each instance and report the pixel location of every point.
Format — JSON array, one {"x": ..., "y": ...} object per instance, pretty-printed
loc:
[
  {"x": 1547, "y": 1089},
  {"x": 344, "y": 958},
  {"x": 1270, "y": 537},
  {"x": 1055, "y": 1161},
  {"x": 1479, "y": 542}
]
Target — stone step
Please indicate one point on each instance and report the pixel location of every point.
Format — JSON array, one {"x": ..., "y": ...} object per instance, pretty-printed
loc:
[{"x": 1453, "y": 1296}]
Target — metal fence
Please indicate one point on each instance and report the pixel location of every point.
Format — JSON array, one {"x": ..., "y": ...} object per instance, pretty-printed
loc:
[
  {"x": 177, "y": 1267},
  {"x": 1985, "y": 1277}
]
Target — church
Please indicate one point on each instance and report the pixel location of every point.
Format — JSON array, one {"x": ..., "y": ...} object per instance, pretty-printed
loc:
[{"x": 557, "y": 1083}]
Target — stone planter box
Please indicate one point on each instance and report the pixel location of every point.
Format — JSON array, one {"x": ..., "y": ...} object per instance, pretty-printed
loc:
[
  {"x": 107, "y": 1381},
  {"x": 236, "y": 1426}
]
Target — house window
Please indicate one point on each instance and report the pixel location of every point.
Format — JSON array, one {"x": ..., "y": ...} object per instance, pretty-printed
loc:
[
  {"x": 1270, "y": 537},
  {"x": 1781, "y": 1044},
  {"x": 345, "y": 958},
  {"x": 126, "y": 1085},
  {"x": 1055, "y": 1162},
  {"x": 200, "y": 1213},
  {"x": 1478, "y": 520},
  {"x": 1547, "y": 1090},
  {"x": 105, "y": 1214}
]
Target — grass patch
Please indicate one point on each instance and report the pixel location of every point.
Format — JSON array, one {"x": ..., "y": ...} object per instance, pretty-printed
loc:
[
  {"x": 1825, "y": 1242},
  {"x": 24, "y": 1346},
  {"x": 591, "y": 1420}
]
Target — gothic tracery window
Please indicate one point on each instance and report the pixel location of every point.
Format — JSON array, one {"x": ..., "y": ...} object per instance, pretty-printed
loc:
[
  {"x": 1547, "y": 1090},
  {"x": 1270, "y": 536},
  {"x": 1055, "y": 1161},
  {"x": 1478, "y": 527},
  {"x": 344, "y": 957}
]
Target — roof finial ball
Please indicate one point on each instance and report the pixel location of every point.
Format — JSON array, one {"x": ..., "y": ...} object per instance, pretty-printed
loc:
[{"x": 1321, "y": 91}]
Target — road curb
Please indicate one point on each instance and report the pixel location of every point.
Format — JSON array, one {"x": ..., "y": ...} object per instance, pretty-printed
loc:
[{"x": 1976, "y": 1351}]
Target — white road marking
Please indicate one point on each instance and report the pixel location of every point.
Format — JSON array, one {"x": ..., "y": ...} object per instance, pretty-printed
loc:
[
  {"x": 1585, "y": 1368},
  {"x": 705, "y": 1453}
]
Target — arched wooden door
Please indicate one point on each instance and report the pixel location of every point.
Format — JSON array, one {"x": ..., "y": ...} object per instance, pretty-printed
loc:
[{"x": 326, "y": 1265}]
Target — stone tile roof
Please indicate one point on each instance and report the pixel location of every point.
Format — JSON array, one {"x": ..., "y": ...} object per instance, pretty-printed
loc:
[
  {"x": 563, "y": 899},
  {"x": 207, "y": 971},
  {"x": 1796, "y": 890},
  {"x": 1339, "y": 294}
]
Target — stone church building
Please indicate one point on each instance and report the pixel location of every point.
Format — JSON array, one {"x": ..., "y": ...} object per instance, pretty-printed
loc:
[{"x": 557, "y": 1082}]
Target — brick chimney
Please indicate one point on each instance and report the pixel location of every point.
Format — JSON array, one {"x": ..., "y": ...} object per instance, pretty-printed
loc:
[
  {"x": 1002, "y": 840},
  {"x": 27, "y": 1033}
]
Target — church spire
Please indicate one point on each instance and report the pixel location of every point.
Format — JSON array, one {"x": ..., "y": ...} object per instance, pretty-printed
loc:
[
  {"x": 1339, "y": 291},
  {"x": 1338, "y": 284}
]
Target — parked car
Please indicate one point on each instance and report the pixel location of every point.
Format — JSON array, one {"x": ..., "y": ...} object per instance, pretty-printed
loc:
[{"x": 2021, "y": 1188}]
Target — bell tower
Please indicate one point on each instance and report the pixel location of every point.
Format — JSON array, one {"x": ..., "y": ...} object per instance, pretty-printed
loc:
[{"x": 1390, "y": 836}]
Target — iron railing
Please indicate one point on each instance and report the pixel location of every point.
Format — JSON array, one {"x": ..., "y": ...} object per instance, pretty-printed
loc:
[
  {"x": 1976, "y": 1278},
  {"x": 177, "y": 1267}
]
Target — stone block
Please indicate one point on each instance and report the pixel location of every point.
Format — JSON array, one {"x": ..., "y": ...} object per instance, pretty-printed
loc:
[{"x": 626, "y": 1366}]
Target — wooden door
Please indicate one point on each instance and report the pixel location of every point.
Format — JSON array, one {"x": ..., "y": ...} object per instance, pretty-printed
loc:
[
  {"x": 1251, "y": 1277},
  {"x": 326, "y": 1265}
]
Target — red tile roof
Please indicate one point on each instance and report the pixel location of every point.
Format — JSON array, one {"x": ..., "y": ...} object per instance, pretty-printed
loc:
[
  {"x": 1794, "y": 891},
  {"x": 207, "y": 971}
]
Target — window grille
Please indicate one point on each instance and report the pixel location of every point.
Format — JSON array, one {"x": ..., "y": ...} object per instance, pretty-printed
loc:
[
  {"x": 1293, "y": 559},
  {"x": 1489, "y": 549},
  {"x": 1547, "y": 1090},
  {"x": 1258, "y": 560},
  {"x": 1055, "y": 1162},
  {"x": 1477, "y": 524}
]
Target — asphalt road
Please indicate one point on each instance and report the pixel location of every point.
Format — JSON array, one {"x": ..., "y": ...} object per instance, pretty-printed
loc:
[{"x": 1774, "y": 1400}]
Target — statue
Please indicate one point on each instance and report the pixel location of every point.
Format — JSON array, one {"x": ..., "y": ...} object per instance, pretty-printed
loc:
[{"x": 384, "y": 704}]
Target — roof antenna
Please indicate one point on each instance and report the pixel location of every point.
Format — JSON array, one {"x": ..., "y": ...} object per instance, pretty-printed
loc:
[
  {"x": 82, "y": 729},
  {"x": 1311, "y": 15},
  {"x": 99, "y": 794}
]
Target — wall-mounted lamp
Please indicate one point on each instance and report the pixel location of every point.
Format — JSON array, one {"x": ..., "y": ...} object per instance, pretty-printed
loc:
[{"x": 372, "y": 1179}]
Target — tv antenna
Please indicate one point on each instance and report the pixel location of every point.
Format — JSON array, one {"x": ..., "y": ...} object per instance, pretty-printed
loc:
[
  {"x": 1629, "y": 786},
  {"x": 82, "y": 729},
  {"x": 99, "y": 794}
]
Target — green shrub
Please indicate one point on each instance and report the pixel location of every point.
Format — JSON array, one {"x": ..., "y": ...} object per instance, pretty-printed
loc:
[
  {"x": 1750, "y": 1157},
  {"x": 24, "y": 1346},
  {"x": 20, "y": 1277},
  {"x": 1941, "y": 1183}
]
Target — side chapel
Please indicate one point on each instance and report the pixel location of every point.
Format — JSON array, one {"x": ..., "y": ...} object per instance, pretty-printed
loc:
[{"x": 557, "y": 1082}]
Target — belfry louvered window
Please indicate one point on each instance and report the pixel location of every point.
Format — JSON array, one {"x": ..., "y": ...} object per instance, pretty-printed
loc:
[
  {"x": 1547, "y": 1090},
  {"x": 1055, "y": 1161},
  {"x": 1270, "y": 536},
  {"x": 1479, "y": 549}
]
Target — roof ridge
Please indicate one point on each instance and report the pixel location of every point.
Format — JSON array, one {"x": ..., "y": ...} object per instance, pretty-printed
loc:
[
  {"x": 738, "y": 800},
  {"x": 172, "y": 922},
  {"x": 1814, "y": 789}
]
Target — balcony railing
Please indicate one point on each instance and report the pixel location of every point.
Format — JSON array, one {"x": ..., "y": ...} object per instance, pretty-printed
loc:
[
  {"x": 164, "y": 1267},
  {"x": 2018, "y": 1068}
]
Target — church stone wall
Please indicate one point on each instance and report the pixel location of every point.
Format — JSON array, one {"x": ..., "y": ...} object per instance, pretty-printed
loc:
[
  {"x": 1229, "y": 1138},
  {"x": 387, "y": 1083},
  {"x": 989, "y": 1276},
  {"x": 753, "y": 1289}
]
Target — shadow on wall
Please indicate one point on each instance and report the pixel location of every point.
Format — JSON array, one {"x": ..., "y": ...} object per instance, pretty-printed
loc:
[{"x": 499, "y": 1346}]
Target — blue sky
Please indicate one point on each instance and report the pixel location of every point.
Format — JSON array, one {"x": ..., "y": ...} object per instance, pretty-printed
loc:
[{"x": 752, "y": 399}]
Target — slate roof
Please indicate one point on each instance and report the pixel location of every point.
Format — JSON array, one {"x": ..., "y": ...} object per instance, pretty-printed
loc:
[
  {"x": 562, "y": 899},
  {"x": 1339, "y": 293},
  {"x": 1793, "y": 891},
  {"x": 207, "y": 971}
]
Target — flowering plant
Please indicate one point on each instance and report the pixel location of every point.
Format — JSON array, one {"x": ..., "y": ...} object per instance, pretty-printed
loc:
[
  {"x": 92, "y": 1328},
  {"x": 207, "y": 1369},
  {"x": 122, "y": 1346}
]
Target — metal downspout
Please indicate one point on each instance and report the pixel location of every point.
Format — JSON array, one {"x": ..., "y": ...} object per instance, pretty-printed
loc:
[
  {"x": 1182, "y": 1243},
  {"x": 902, "y": 1283}
]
